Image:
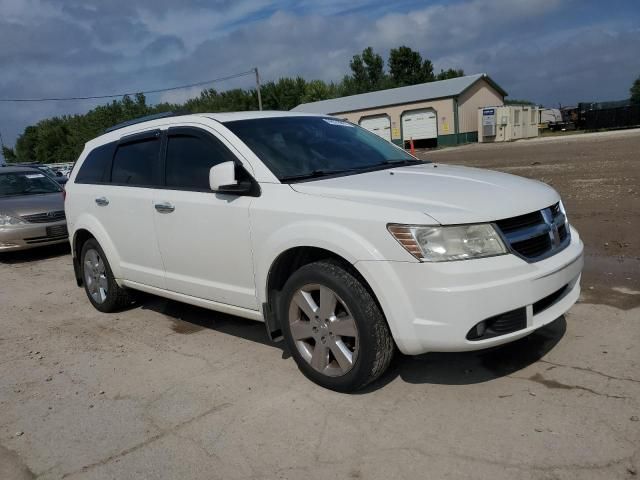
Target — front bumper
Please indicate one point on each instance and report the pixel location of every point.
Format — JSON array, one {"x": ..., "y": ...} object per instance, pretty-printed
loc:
[
  {"x": 30, "y": 235},
  {"x": 433, "y": 306}
]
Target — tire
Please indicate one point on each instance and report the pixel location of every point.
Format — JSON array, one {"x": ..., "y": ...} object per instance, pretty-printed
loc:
[
  {"x": 342, "y": 345},
  {"x": 99, "y": 283}
]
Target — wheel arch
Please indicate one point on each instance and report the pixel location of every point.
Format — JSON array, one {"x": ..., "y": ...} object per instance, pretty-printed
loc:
[
  {"x": 88, "y": 227},
  {"x": 79, "y": 238},
  {"x": 289, "y": 261}
]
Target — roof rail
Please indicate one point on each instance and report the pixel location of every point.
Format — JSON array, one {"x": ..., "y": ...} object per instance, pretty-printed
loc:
[{"x": 146, "y": 118}]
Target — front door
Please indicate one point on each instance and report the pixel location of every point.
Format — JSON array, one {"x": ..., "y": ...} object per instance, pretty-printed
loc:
[{"x": 204, "y": 237}]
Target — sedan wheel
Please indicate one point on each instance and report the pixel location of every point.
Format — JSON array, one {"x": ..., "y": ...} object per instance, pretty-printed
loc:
[{"x": 323, "y": 329}]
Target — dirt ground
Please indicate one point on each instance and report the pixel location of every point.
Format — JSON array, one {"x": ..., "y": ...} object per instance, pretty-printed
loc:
[{"x": 167, "y": 391}]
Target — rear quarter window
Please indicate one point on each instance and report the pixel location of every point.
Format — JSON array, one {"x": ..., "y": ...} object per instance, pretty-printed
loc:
[{"x": 94, "y": 167}]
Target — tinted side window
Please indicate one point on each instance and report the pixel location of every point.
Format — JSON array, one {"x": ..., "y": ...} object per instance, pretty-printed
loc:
[
  {"x": 189, "y": 159},
  {"x": 136, "y": 163},
  {"x": 93, "y": 167}
]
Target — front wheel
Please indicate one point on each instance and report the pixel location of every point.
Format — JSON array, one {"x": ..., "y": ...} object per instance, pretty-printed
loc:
[{"x": 334, "y": 328}]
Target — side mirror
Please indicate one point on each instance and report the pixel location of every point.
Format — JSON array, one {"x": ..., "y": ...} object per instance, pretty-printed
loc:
[
  {"x": 222, "y": 179},
  {"x": 222, "y": 175}
]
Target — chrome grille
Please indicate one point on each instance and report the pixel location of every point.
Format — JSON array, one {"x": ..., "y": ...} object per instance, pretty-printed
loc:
[
  {"x": 536, "y": 235},
  {"x": 46, "y": 217}
]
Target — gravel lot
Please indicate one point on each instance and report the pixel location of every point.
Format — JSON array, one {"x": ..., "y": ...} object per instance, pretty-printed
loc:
[{"x": 175, "y": 392}]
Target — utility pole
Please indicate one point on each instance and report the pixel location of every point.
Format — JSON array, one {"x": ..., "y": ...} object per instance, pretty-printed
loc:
[
  {"x": 258, "y": 88},
  {"x": 2, "y": 150}
]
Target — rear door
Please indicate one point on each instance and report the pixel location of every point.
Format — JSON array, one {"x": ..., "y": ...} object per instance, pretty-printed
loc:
[
  {"x": 123, "y": 204},
  {"x": 204, "y": 237}
]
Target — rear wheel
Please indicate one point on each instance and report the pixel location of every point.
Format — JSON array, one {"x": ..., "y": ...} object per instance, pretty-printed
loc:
[
  {"x": 99, "y": 283},
  {"x": 334, "y": 328}
]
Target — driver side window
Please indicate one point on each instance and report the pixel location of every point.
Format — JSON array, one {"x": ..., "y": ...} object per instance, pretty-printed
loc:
[{"x": 190, "y": 156}]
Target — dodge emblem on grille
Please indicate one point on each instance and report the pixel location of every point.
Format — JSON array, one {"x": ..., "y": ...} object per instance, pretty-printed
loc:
[{"x": 554, "y": 235}]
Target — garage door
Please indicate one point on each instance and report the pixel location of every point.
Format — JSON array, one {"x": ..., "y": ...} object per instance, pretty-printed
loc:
[
  {"x": 419, "y": 125},
  {"x": 381, "y": 126}
]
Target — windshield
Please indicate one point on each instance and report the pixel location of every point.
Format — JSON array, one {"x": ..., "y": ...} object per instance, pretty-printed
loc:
[
  {"x": 48, "y": 170},
  {"x": 295, "y": 148},
  {"x": 26, "y": 183}
]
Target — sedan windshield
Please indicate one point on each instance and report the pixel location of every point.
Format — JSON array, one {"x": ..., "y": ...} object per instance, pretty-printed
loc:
[
  {"x": 299, "y": 148},
  {"x": 26, "y": 183}
]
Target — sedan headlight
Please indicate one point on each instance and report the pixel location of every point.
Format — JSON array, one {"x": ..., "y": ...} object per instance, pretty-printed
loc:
[
  {"x": 443, "y": 244},
  {"x": 8, "y": 220}
]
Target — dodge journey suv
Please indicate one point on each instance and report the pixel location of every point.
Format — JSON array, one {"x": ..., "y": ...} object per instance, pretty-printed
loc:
[{"x": 346, "y": 246}]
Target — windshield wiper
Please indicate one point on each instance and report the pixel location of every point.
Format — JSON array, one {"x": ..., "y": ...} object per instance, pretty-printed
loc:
[
  {"x": 404, "y": 161},
  {"x": 360, "y": 169},
  {"x": 312, "y": 174}
]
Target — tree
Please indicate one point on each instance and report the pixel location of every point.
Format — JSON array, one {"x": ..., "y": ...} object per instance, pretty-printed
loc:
[
  {"x": 406, "y": 67},
  {"x": 61, "y": 139},
  {"x": 317, "y": 90},
  {"x": 635, "y": 92},
  {"x": 374, "y": 67},
  {"x": 367, "y": 73},
  {"x": 26, "y": 144},
  {"x": 515, "y": 101},
  {"x": 284, "y": 94},
  {"x": 8, "y": 154},
  {"x": 450, "y": 73}
]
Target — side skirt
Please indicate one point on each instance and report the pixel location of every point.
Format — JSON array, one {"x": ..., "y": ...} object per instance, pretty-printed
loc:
[{"x": 198, "y": 302}]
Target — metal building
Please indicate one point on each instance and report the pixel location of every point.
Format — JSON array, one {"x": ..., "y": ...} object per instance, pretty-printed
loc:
[{"x": 435, "y": 113}]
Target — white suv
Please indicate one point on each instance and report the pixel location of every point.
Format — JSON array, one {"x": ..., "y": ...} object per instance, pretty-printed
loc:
[{"x": 341, "y": 242}]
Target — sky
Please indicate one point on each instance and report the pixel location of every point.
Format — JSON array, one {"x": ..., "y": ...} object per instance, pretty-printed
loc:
[{"x": 546, "y": 51}]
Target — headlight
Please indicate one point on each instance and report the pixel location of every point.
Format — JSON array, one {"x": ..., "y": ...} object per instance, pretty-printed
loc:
[
  {"x": 564, "y": 212},
  {"x": 443, "y": 244},
  {"x": 7, "y": 220}
]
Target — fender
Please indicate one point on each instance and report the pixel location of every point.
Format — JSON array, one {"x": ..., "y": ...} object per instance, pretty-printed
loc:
[
  {"x": 88, "y": 222},
  {"x": 309, "y": 233}
]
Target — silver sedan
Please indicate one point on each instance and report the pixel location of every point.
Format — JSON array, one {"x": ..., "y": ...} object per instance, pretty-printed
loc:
[{"x": 31, "y": 210}]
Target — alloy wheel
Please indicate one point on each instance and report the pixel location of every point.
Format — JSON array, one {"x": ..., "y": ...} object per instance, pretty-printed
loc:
[
  {"x": 95, "y": 276},
  {"x": 323, "y": 329}
]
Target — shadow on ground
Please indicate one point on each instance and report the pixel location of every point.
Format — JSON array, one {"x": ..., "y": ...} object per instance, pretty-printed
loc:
[
  {"x": 467, "y": 368},
  {"x": 35, "y": 254},
  {"x": 188, "y": 319},
  {"x": 433, "y": 368}
]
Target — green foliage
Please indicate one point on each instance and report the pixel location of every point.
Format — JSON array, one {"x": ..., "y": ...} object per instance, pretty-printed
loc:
[
  {"x": 367, "y": 73},
  {"x": 8, "y": 154},
  {"x": 635, "y": 92},
  {"x": 515, "y": 101},
  {"x": 61, "y": 139},
  {"x": 450, "y": 73},
  {"x": 406, "y": 67}
]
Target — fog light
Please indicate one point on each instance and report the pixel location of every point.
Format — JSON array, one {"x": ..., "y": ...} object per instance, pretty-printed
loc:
[{"x": 477, "y": 331}]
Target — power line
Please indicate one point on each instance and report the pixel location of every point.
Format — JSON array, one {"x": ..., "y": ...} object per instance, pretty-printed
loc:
[{"x": 159, "y": 90}]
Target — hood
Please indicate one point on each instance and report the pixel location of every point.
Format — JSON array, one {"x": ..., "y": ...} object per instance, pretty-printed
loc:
[
  {"x": 21, "y": 205},
  {"x": 449, "y": 194}
]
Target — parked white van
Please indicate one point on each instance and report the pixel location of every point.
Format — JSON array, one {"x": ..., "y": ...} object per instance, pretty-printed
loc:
[{"x": 341, "y": 242}]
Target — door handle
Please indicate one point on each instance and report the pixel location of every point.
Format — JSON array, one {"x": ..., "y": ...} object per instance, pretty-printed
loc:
[
  {"x": 102, "y": 201},
  {"x": 164, "y": 207}
]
